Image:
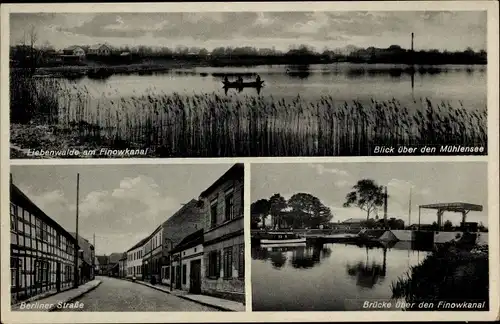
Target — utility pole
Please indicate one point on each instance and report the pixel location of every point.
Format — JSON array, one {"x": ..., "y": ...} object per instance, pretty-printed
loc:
[
  {"x": 385, "y": 207},
  {"x": 409, "y": 210},
  {"x": 94, "y": 256},
  {"x": 76, "y": 246}
]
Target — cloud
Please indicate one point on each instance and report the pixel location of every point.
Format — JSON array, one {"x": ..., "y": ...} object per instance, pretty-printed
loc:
[{"x": 321, "y": 169}]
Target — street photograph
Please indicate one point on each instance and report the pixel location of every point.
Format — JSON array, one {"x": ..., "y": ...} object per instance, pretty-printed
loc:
[
  {"x": 115, "y": 238},
  {"x": 410, "y": 236}
]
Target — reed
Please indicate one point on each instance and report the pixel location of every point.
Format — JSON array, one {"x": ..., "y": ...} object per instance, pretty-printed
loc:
[
  {"x": 447, "y": 274},
  {"x": 208, "y": 125}
]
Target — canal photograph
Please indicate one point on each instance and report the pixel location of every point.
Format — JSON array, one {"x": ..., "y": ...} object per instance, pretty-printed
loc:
[
  {"x": 369, "y": 236},
  {"x": 246, "y": 83}
]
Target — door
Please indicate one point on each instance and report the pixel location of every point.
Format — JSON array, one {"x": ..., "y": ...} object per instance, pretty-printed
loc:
[
  {"x": 58, "y": 276},
  {"x": 195, "y": 277},
  {"x": 178, "y": 277}
]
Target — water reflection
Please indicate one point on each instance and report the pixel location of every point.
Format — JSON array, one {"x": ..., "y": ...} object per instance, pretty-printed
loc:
[
  {"x": 301, "y": 71},
  {"x": 306, "y": 257},
  {"x": 368, "y": 274},
  {"x": 323, "y": 276}
]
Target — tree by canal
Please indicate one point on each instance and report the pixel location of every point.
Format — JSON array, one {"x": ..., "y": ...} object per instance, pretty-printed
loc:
[
  {"x": 367, "y": 195},
  {"x": 259, "y": 211},
  {"x": 302, "y": 210}
]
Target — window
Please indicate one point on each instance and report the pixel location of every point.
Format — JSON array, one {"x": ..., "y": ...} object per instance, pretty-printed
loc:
[
  {"x": 229, "y": 205},
  {"x": 241, "y": 262},
  {"x": 58, "y": 240},
  {"x": 213, "y": 212},
  {"x": 45, "y": 236},
  {"x": 228, "y": 262},
  {"x": 184, "y": 270},
  {"x": 13, "y": 218},
  {"x": 213, "y": 264},
  {"x": 42, "y": 271},
  {"x": 15, "y": 271},
  {"x": 38, "y": 228}
]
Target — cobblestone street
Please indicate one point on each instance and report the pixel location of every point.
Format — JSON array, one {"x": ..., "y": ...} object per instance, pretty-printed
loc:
[{"x": 114, "y": 295}]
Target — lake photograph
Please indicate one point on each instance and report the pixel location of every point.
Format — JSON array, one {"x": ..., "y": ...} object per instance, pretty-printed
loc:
[
  {"x": 246, "y": 84},
  {"x": 369, "y": 236}
]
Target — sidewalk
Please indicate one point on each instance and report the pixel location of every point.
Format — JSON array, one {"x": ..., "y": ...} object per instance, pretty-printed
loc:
[
  {"x": 56, "y": 301},
  {"x": 219, "y": 303}
]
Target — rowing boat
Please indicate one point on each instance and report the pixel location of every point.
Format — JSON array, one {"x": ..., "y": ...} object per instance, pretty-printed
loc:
[{"x": 236, "y": 84}]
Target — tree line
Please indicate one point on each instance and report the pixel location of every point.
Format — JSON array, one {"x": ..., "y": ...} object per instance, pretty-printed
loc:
[{"x": 303, "y": 54}]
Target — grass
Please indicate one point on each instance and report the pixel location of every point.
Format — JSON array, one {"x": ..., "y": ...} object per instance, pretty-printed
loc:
[
  {"x": 447, "y": 274},
  {"x": 212, "y": 125}
]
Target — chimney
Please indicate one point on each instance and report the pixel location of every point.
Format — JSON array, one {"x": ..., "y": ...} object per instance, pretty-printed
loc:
[
  {"x": 385, "y": 205},
  {"x": 412, "y": 42}
]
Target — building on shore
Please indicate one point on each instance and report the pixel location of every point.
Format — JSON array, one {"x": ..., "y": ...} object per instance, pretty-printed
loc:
[
  {"x": 187, "y": 220},
  {"x": 187, "y": 258},
  {"x": 86, "y": 259},
  {"x": 134, "y": 260},
  {"x": 42, "y": 252},
  {"x": 223, "y": 265}
]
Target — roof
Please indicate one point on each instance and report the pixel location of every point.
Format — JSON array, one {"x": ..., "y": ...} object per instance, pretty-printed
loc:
[
  {"x": 72, "y": 48},
  {"x": 98, "y": 46},
  {"x": 114, "y": 257},
  {"x": 19, "y": 198},
  {"x": 236, "y": 171},
  {"x": 102, "y": 259},
  {"x": 353, "y": 220},
  {"x": 190, "y": 204},
  {"x": 189, "y": 241},
  {"x": 454, "y": 207},
  {"x": 140, "y": 243}
]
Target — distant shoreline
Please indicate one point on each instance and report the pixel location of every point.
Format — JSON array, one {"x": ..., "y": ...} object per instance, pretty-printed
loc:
[{"x": 159, "y": 66}]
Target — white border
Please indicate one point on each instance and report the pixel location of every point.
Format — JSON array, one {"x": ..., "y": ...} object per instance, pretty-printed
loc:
[{"x": 155, "y": 317}]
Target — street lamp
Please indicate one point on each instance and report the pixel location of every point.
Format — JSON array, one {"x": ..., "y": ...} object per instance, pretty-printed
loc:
[{"x": 170, "y": 260}]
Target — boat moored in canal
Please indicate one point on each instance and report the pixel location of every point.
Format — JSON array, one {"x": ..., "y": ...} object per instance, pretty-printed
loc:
[{"x": 282, "y": 238}]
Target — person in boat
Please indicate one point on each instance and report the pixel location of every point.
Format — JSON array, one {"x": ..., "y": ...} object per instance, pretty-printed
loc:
[
  {"x": 257, "y": 79},
  {"x": 240, "y": 80},
  {"x": 225, "y": 79}
]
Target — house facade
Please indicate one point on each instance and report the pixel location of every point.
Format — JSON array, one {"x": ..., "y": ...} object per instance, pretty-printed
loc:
[
  {"x": 152, "y": 256},
  {"x": 42, "y": 252},
  {"x": 74, "y": 51},
  {"x": 86, "y": 259},
  {"x": 187, "y": 259},
  {"x": 223, "y": 247},
  {"x": 122, "y": 266},
  {"x": 134, "y": 260},
  {"x": 187, "y": 220},
  {"x": 99, "y": 50}
]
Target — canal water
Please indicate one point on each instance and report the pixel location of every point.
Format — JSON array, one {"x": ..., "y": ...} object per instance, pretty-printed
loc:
[
  {"x": 345, "y": 82},
  {"x": 334, "y": 277}
]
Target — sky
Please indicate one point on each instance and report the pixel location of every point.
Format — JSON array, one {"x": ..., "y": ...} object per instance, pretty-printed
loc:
[
  {"x": 121, "y": 204},
  {"x": 431, "y": 182},
  {"x": 433, "y": 29}
]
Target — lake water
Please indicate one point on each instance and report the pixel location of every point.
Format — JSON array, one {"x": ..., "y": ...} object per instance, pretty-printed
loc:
[
  {"x": 342, "y": 81},
  {"x": 335, "y": 277}
]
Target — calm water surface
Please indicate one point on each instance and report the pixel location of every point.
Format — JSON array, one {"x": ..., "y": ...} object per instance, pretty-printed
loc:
[
  {"x": 331, "y": 278},
  {"x": 342, "y": 81}
]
